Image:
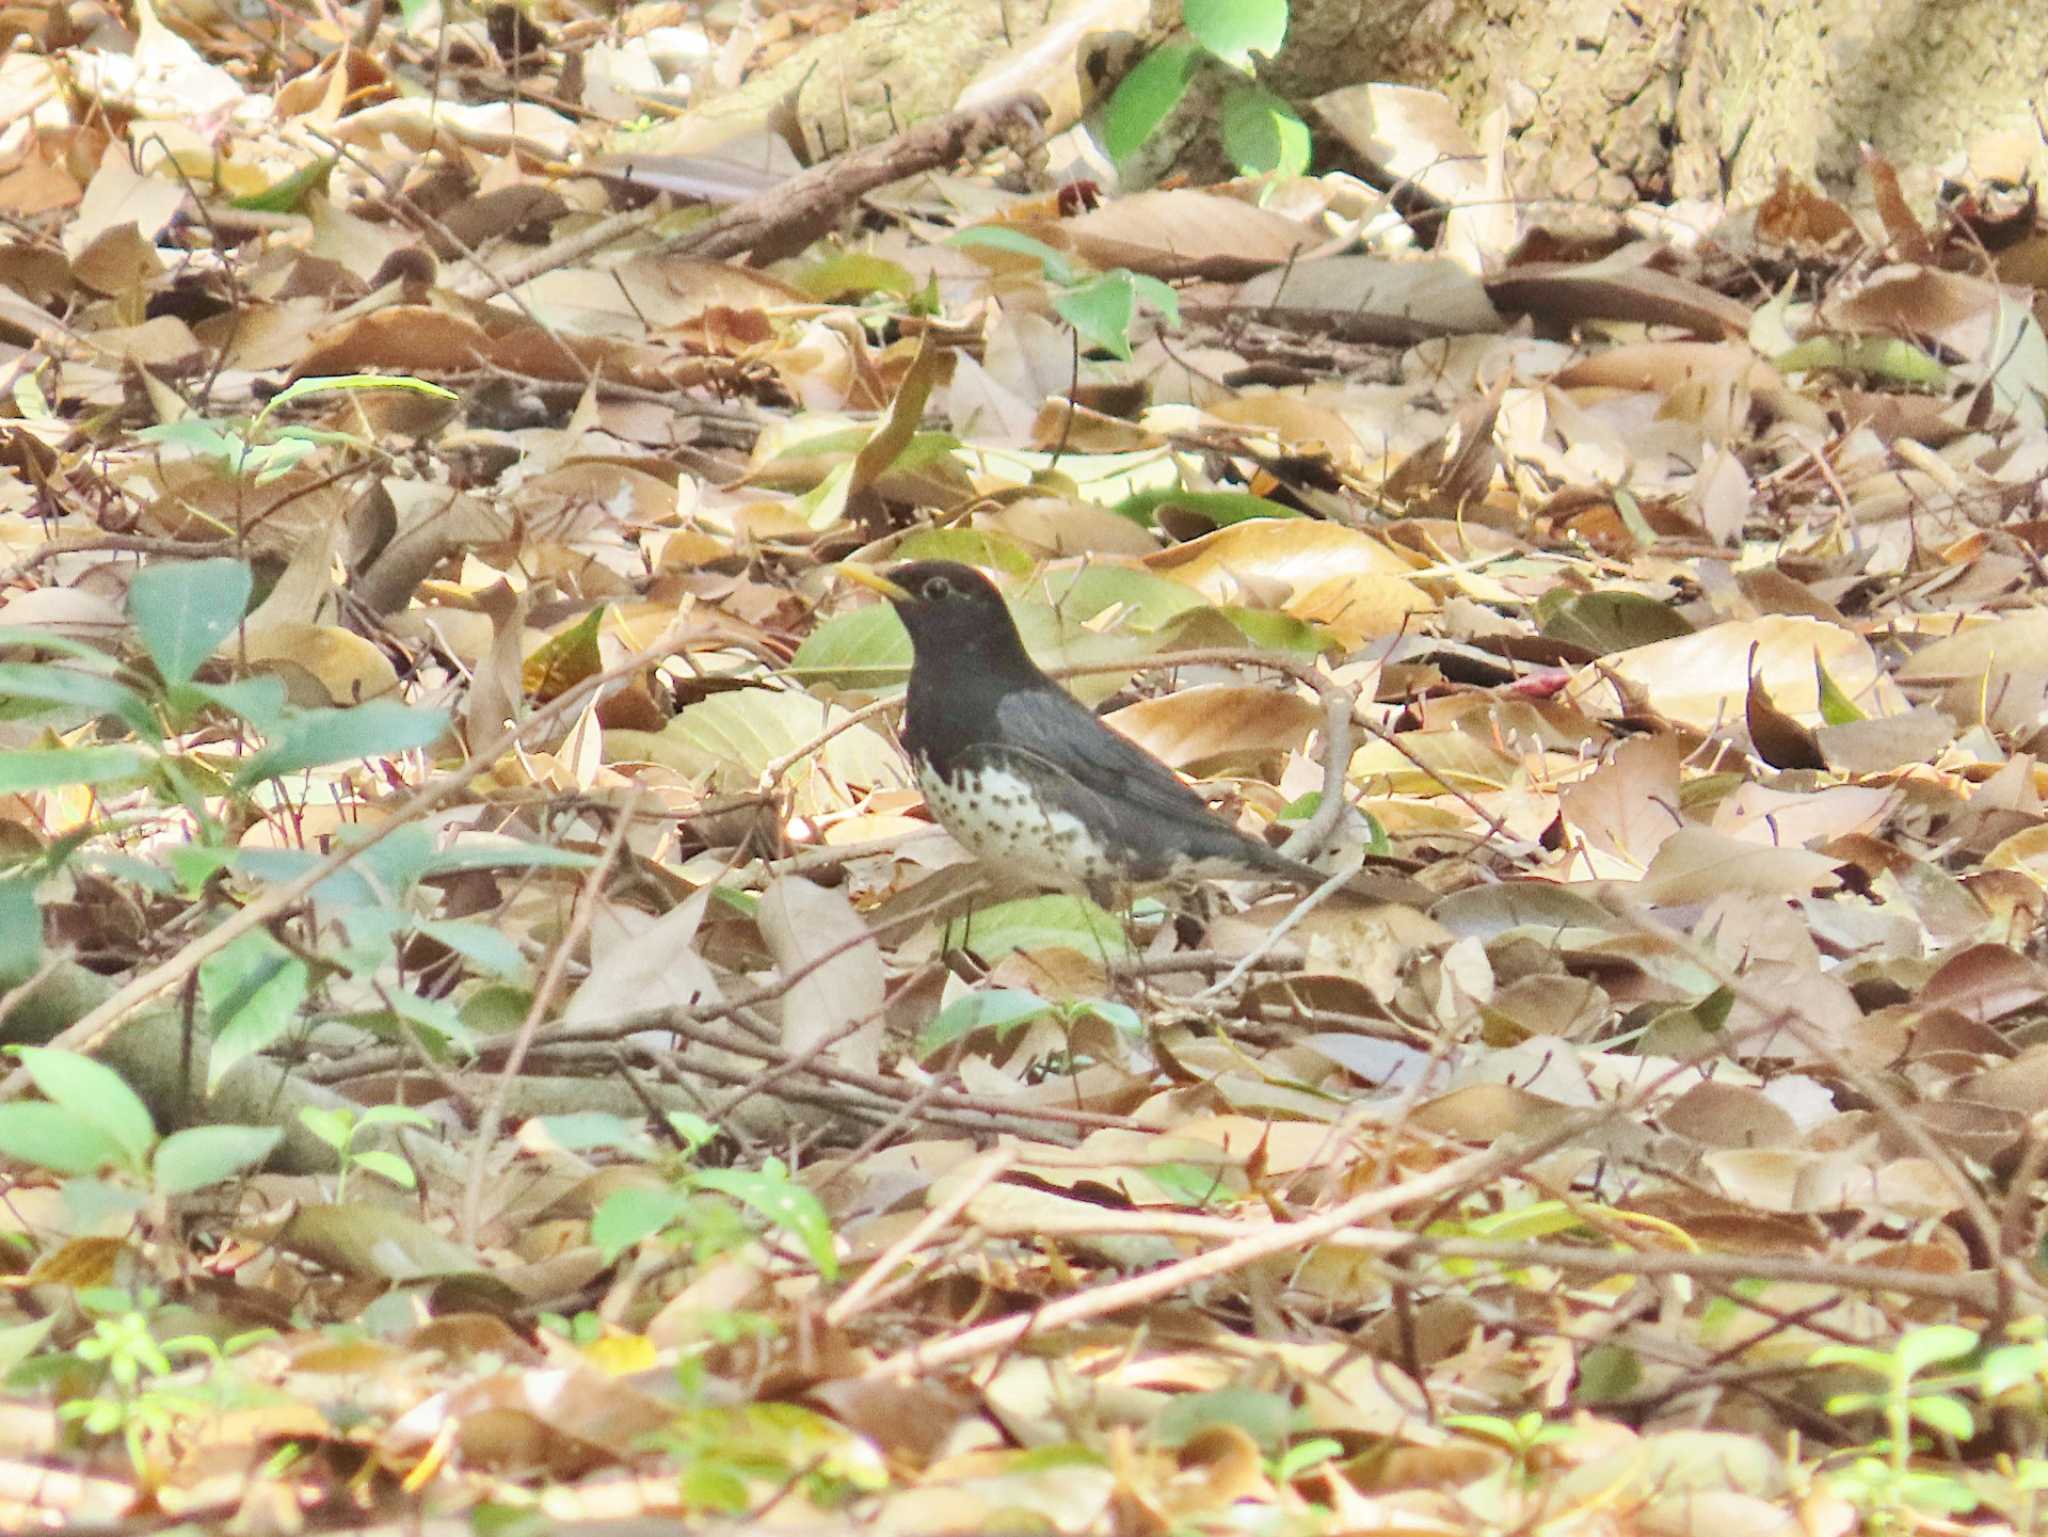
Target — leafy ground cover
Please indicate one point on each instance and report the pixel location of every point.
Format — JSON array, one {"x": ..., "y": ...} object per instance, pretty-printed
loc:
[{"x": 497, "y": 1039}]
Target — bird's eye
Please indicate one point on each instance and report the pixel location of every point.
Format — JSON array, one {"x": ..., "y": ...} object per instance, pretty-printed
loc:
[{"x": 938, "y": 588}]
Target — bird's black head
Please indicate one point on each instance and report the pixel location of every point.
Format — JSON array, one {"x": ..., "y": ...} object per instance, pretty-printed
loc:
[{"x": 949, "y": 609}]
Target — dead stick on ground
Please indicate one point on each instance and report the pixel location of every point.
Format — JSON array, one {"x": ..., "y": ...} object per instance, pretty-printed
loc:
[
  {"x": 786, "y": 219},
  {"x": 1281, "y": 1238},
  {"x": 543, "y": 1001}
]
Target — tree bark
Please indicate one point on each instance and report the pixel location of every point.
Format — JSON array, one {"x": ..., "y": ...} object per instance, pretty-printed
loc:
[{"x": 1605, "y": 102}]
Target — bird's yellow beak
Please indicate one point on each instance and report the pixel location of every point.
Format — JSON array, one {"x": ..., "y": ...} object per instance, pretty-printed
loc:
[{"x": 869, "y": 577}]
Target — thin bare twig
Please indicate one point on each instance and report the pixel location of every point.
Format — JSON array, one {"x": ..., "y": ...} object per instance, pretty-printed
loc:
[
  {"x": 543, "y": 999},
  {"x": 974, "y": 1179},
  {"x": 1281, "y": 1238}
]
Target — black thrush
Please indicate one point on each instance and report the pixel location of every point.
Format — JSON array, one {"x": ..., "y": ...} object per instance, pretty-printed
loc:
[{"x": 1028, "y": 779}]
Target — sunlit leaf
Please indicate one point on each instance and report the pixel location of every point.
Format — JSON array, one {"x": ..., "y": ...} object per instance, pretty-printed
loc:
[
  {"x": 1146, "y": 96},
  {"x": 253, "y": 990},
  {"x": 52, "y": 767},
  {"x": 286, "y": 194},
  {"x": 632, "y": 1216},
  {"x": 96, "y": 1095},
  {"x": 1263, "y": 134},
  {"x": 313, "y": 738},
  {"x": 997, "y": 237},
  {"x": 786, "y": 1204},
  {"x": 489, "y": 948},
  {"x": 1052, "y": 922},
  {"x": 200, "y": 1156},
  {"x": 47, "y": 1136},
  {"x": 1235, "y": 30},
  {"x": 998, "y": 1009},
  {"x": 90, "y": 693},
  {"x": 564, "y": 660},
  {"x": 1101, "y": 312}
]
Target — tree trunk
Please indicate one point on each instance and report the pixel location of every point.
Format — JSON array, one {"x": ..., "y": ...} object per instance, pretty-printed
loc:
[
  {"x": 1700, "y": 98},
  {"x": 1606, "y": 102}
]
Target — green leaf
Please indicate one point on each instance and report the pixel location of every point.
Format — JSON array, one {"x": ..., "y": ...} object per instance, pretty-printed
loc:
[
  {"x": 866, "y": 649},
  {"x": 972, "y": 546},
  {"x": 299, "y": 389},
  {"x": 854, "y": 274},
  {"x": 1001, "y": 1009},
  {"x": 1120, "y": 1017},
  {"x": 387, "y": 1166},
  {"x": 999, "y": 237},
  {"x": 1219, "y": 508},
  {"x": 1263, "y": 134},
  {"x": 46, "y": 768},
  {"x": 495, "y": 1008},
  {"x": 1876, "y": 1362},
  {"x": 184, "y": 609},
  {"x": 18, "y": 1342},
  {"x": 1145, "y": 600},
  {"x": 1919, "y": 1349},
  {"x": 1271, "y": 630},
  {"x": 198, "y": 436},
  {"x": 1949, "y": 1416},
  {"x": 52, "y": 683},
  {"x": 1606, "y": 1373},
  {"x": 40, "y": 643},
  {"x": 253, "y": 991},
  {"x": 95, "y": 1094},
  {"x": 1234, "y": 30},
  {"x": 1632, "y": 519},
  {"x": 1101, "y": 312},
  {"x": 585, "y": 1131},
  {"x": 285, "y": 195},
  {"x": 396, "y": 1115},
  {"x": 717, "y": 1486},
  {"x": 1265, "y": 1417},
  {"x": 784, "y": 1203},
  {"x": 479, "y": 943},
  {"x": 1886, "y": 358},
  {"x": 313, "y": 738},
  {"x": 1185, "y": 1184},
  {"x": 2010, "y": 1365},
  {"x": 1051, "y": 922},
  {"x": 266, "y": 463},
  {"x": 21, "y": 931},
  {"x": 51, "y": 1137},
  {"x": 260, "y": 701},
  {"x": 481, "y": 854},
  {"x": 633, "y": 1215},
  {"x": 1154, "y": 294},
  {"x": 435, "y": 1020},
  {"x": 1836, "y": 707},
  {"x": 1607, "y": 622},
  {"x": 693, "y": 1131},
  {"x": 1146, "y": 96},
  {"x": 1301, "y": 1458},
  {"x": 334, "y": 1126},
  {"x": 200, "y": 1156}
]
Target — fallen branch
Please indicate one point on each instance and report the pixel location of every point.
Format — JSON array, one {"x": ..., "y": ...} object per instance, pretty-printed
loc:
[{"x": 786, "y": 219}]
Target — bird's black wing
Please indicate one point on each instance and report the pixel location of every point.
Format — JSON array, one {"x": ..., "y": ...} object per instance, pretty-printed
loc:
[
  {"x": 1129, "y": 792},
  {"x": 1116, "y": 785}
]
